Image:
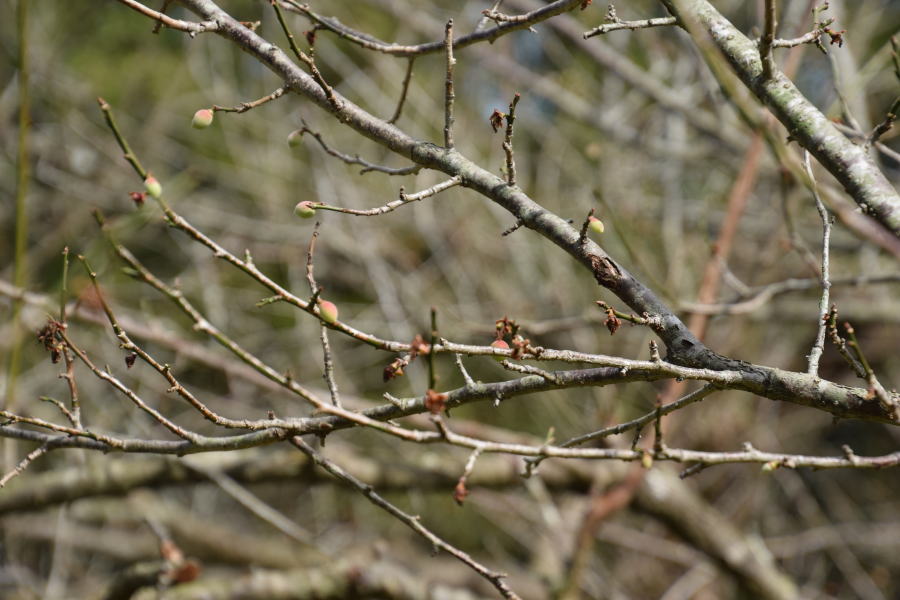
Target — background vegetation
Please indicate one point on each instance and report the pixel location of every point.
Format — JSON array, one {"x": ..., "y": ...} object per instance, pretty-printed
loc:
[{"x": 640, "y": 132}]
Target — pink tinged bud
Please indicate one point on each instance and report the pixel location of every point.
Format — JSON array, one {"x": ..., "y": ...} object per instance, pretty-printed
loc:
[
  {"x": 152, "y": 186},
  {"x": 295, "y": 138},
  {"x": 203, "y": 118},
  {"x": 595, "y": 225},
  {"x": 305, "y": 210},
  {"x": 499, "y": 345},
  {"x": 328, "y": 311}
]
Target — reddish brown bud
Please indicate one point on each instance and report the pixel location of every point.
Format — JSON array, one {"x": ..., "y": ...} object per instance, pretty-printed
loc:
[
  {"x": 189, "y": 571},
  {"x": 138, "y": 198},
  {"x": 837, "y": 37},
  {"x": 418, "y": 346},
  {"x": 496, "y": 120},
  {"x": 395, "y": 369},
  {"x": 612, "y": 321},
  {"x": 499, "y": 345},
  {"x": 435, "y": 402},
  {"x": 460, "y": 492}
]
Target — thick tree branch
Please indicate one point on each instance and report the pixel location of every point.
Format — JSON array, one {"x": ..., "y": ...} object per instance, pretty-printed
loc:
[
  {"x": 683, "y": 347},
  {"x": 490, "y": 34},
  {"x": 848, "y": 162}
]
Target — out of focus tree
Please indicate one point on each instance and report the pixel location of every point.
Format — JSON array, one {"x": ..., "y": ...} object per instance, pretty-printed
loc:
[{"x": 294, "y": 239}]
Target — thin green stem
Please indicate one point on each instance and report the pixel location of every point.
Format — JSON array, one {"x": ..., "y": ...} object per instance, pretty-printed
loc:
[
  {"x": 130, "y": 156},
  {"x": 64, "y": 289},
  {"x": 20, "y": 268},
  {"x": 432, "y": 375}
]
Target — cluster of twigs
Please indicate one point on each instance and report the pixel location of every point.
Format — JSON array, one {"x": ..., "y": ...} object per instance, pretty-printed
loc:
[{"x": 686, "y": 358}]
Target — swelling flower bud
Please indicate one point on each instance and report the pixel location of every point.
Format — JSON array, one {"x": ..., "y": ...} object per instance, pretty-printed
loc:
[
  {"x": 294, "y": 138},
  {"x": 153, "y": 186},
  {"x": 500, "y": 345},
  {"x": 203, "y": 118},
  {"x": 305, "y": 210},
  {"x": 328, "y": 311}
]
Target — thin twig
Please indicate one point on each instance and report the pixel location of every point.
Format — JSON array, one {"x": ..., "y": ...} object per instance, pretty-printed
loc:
[
  {"x": 507, "y": 142},
  {"x": 394, "y": 204},
  {"x": 645, "y": 320},
  {"x": 485, "y": 19},
  {"x": 92, "y": 441},
  {"x": 838, "y": 85},
  {"x": 433, "y": 341},
  {"x": 895, "y": 56},
  {"x": 582, "y": 235},
  {"x": 73, "y": 415},
  {"x": 356, "y": 160},
  {"x": 461, "y": 491},
  {"x": 812, "y": 37},
  {"x": 165, "y": 6},
  {"x": 489, "y": 35},
  {"x": 528, "y": 369},
  {"x": 768, "y": 37},
  {"x": 200, "y": 324},
  {"x": 64, "y": 288},
  {"x": 819, "y": 346},
  {"x": 875, "y": 388},
  {"x": 404, "y": 89},
  {"x": 757, "y": 297},
  {"x": 638, "y": 423},
  {"x": 462, "y": 369},
  {"x": 130, "y": 156},
  {"x": 886, "y": 124},
  {"x": 23, "y": 159},
  {"x": 165, "y": 370},
  {"x": 308, "y": 60},
  {"x": 841, "y": 344},
  {"x": 328, "y": 374},
  {"x": 245, "y": 106},
  {"x": 614, "y": 23},
  {"x": 131, "y": 395},
  {"x": 449, "y": 94},
  {"x": 515, "y": 227},
  {"x": 411, "y": 521},
  {"x": 190, "y": 27},
  {"x": 23, "y": 464},
  {"x": 252, "y": 502}
]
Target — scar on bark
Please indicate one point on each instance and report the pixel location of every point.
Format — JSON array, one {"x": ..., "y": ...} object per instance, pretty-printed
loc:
[{"x": 606, "y": 272}]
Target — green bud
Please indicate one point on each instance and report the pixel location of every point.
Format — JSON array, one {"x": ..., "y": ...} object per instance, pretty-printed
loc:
[
  {"x": 305, "y": 210},
  {"x": 328, "y": 311},
  {"x": 203, "y": 118},
  {"x": 153, "y": 186},
  {"x": 295, "y": 138}
]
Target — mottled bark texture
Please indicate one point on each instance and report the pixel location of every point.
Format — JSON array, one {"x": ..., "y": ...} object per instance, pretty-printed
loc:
[
  {"x": 682, "y": 346},
  {"x": 848, "y": 162}
]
